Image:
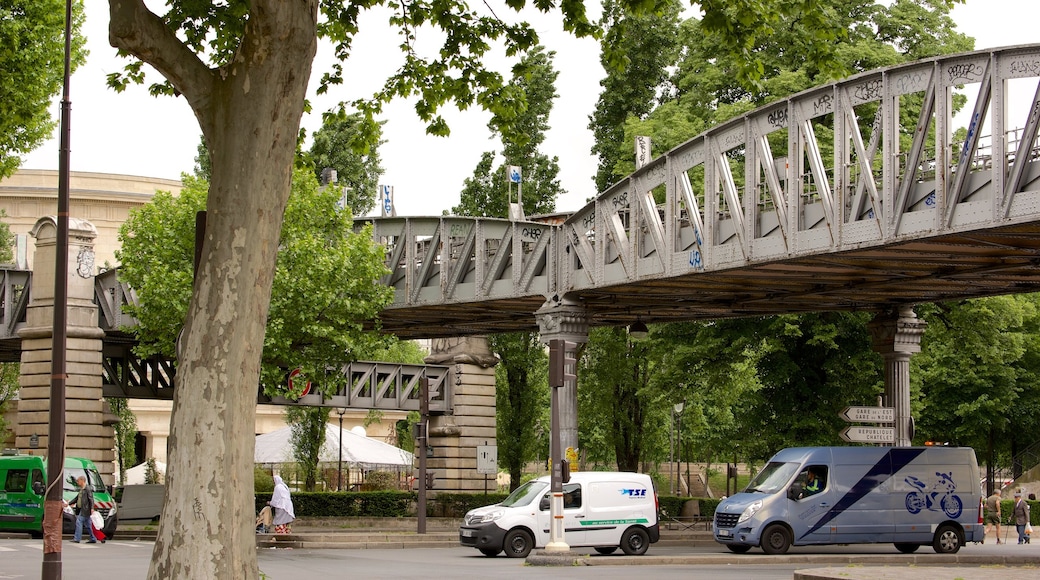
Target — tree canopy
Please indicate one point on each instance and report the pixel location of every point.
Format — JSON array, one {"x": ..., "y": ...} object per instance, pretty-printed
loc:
[{"x": 32, "y": 58}]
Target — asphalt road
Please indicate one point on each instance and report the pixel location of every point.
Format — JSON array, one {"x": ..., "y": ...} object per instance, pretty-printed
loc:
[{"x": 116, "y": 559}]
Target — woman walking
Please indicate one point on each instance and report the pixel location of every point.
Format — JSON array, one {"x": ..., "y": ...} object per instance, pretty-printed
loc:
[{"x": 281, "y": 503}]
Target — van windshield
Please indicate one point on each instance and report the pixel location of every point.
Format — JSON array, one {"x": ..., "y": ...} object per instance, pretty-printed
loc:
[
  {"x": 773, "y": 477},
  {"x": 93, "y": 479},
  {"x": 525, "y": 494}
]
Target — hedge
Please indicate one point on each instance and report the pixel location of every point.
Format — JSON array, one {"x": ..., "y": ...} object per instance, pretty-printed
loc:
[{"x": 393, "y": 504}]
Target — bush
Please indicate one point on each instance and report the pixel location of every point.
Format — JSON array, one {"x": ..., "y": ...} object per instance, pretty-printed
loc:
[
  {"x": 380, "y": 481},
  {"x": 380, "y": 504},
  {"x": 262, "y": 481}
]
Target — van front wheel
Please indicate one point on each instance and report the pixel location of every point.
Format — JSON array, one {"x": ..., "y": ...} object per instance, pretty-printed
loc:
[
  {"x": 907, "y": 548},
  {"x": 776, "y": 540},
  {"x": 635, "y": 541},
  {"x": 947, "y": 540},
  {"x": 518, "y": 544}
]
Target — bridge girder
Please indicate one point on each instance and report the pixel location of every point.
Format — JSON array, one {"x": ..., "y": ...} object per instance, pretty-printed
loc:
[{"x": 820, "y": 201}]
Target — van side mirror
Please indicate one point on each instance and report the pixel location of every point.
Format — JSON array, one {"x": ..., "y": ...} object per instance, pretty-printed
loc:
[
  {"x": 544, "y": 504},
  {"x": 38, "y": 488},
  {"x": 795, "y": 491}
]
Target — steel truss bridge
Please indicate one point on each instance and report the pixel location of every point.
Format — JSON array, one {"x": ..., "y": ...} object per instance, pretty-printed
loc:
[{"x": 854, "y": 195}]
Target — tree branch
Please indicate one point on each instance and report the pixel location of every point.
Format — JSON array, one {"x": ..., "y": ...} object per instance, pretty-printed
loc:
[{"x": 136, "y": 30}]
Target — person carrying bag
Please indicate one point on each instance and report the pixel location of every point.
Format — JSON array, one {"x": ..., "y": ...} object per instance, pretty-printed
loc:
[{"x": 84, "y": 506}]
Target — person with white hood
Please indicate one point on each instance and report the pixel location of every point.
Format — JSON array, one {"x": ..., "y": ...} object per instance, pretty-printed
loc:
[{"x": 281, "y": 504}]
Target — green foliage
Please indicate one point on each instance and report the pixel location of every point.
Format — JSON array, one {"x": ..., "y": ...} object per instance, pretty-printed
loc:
[
  {"x": 126, "y": 435},
  {"x": 455, "y": 505},
  {"x": 521, "y": 400},
  {"x": 9, "y": 373},
  {"x": 709, "y": 87},
  {"x": 307, "y": 426},
  {"x": 32, "y": 58},
  {"x": 380, "y": 480},
  {"x": 151, "y": 473},
  {"x": 263, "y": 482},
  {"x": 342, "y": 144},
  {"x": 6, "y": 240},
  {"x": 615, "y": 398},
  {"x": 322, "y": 293},
  {"x": 487, "y": 193},
  {"x": 648, "y": 45},
  {"x": 977, "y": 374},
  {"x": 384, "y": 504}
]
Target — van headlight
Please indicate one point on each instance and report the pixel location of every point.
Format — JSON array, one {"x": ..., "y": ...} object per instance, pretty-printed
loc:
[
  {"x": 491, "y": 516},
  {"x": 749, "y": 511},
  {"x": 112, "y": 510}
]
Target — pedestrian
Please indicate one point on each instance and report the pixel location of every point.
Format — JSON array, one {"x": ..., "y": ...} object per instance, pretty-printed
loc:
[
  {"x": 993, "y": 512},
  {"x": 281, "y": 503},
  {"x": 1021, "y": 515},
  {"x": 84, "y": 505}
]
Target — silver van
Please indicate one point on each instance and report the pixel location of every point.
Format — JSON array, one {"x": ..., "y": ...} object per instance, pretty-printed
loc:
[{"x": 909, "y": 496}]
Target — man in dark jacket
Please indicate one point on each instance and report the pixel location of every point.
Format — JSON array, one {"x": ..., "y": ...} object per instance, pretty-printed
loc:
[{"x": 84, "y": 505}]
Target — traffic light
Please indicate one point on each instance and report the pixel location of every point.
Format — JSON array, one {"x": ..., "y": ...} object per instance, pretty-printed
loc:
[
  {"x": 429, "y": 480},
  {"x": 563, "y": 366}
]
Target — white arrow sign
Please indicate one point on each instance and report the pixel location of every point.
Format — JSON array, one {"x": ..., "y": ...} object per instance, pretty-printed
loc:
[
  {"x": 868, "y": 414},
  {"x": 857, "y": 434}
]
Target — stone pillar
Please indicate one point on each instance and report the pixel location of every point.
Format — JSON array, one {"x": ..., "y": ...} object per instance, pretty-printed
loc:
[
  {"x": 564, "y": 319},
  {"x": 86, "y": 434},
  {"x": 896, "y": 336},
  {"x": 456, "y": 436}
]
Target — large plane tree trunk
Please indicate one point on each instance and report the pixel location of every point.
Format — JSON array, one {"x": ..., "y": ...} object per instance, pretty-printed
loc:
[{"x": 250, "y": 114}]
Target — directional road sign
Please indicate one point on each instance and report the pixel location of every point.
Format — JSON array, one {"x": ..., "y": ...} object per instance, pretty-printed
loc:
[
  {"x": 868, "y": 414},
  {"x": 859, "y": 434}
]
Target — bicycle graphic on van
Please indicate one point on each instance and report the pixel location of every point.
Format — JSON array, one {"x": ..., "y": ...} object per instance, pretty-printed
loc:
[{"x": 941, "y": 496}]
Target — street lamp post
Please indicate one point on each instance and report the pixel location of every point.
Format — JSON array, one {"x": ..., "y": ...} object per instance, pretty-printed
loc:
[
  {"x": 339, "y": 476},
  {"x": 678, "y": 441}
]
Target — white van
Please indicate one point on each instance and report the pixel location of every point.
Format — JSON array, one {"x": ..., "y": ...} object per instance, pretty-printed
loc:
[
  {"x": 602, "y": 510},
  {"x": 909, "y": 496}
]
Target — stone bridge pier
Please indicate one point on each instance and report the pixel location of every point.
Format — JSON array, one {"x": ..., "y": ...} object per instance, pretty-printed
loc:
[
  {"x": 87, "y": 432},
  {"x": 454, "y": 438}
]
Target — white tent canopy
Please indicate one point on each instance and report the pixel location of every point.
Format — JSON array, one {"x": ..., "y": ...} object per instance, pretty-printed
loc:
[
  {"x": 136, "y": 474},
  {"x": 366, "y": 453}
]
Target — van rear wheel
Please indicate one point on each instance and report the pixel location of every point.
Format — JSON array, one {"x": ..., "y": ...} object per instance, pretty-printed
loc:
[
  {"x": 776, "y": 540},
  {"x": 947, "y": 540},
  {"x": 518, "y": 544},
  {"x": 635, "y": 541},
  {"x": 607, "y": 551}
]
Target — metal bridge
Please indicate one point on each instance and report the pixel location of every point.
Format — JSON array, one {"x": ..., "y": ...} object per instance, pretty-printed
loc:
[{"x": 849, "y": 196}]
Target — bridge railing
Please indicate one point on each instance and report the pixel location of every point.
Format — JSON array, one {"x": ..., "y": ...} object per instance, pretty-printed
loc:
[{"x": 864, "y": 162}]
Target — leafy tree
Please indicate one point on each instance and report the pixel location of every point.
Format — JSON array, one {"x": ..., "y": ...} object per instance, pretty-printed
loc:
[
  {"x": 244, "y": 68},
  {"x": 126, "y": 435},
  {"x": 977, "y": 374},
  {"x": 487, "y": 192},
  {"x": 649, "y": 45},
  {"x": 521, "y": 401},
  {"x": 307, "y": 436},
  {"x": 342, "y": 145},
  {"x": 614, "y": 386},
  {"x": 32, "y": 56}
]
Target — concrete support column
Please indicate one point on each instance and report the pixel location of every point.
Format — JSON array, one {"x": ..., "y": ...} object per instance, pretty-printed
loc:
[
  {"x": 896, "y": 336},
  {"x": 87, "y": 434},
  {"x": 455, "y": 437}
]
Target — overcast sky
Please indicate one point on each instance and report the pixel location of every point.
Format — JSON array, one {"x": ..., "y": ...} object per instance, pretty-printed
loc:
[{"x": 134, "y": 134}]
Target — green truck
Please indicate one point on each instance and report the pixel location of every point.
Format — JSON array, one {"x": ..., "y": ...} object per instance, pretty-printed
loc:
[{"x": 24, "y": 481}]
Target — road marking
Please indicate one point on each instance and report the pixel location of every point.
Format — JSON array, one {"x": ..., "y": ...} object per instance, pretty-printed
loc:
[
  {"x": 129, "y": 544},
  {"x": 3, "y": 549},
  {"x": 35, "y": 546}
]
